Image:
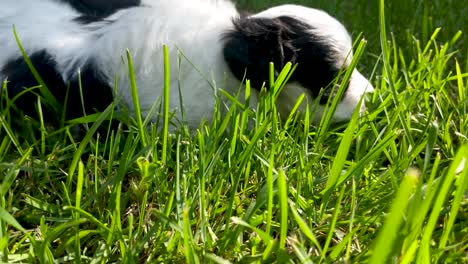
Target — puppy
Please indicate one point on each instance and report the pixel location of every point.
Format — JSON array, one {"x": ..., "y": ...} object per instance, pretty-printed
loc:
[{"x": 211, "y": 45}]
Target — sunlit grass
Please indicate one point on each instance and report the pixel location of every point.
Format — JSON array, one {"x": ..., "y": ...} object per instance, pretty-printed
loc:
[{"x": 389, "y": 186}]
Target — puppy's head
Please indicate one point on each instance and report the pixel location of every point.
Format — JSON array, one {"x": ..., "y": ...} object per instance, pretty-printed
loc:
[{"x": 317, "y": 42}]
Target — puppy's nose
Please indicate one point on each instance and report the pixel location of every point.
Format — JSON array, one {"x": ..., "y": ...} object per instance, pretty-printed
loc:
[
  {"x": 358, "y": 86},
  {"x": 360, "y": 83}
]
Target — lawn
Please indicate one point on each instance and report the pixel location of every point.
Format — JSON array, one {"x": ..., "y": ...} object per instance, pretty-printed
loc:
[{"x": 390, "y": 186}]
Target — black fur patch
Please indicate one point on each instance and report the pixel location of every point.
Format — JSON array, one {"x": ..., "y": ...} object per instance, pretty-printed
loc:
[
  {"x": 20, "y": 78},
  {"x": 97, "y": 94},
  {"x": 97, "y": 10},
  {"x": 255, "y": 42}
]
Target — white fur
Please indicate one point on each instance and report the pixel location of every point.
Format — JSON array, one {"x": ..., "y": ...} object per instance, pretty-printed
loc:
[{"x": 193, "y": 28}]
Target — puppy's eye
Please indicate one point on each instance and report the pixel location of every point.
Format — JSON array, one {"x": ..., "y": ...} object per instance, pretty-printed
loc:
[{"x": 331, "y": 90}]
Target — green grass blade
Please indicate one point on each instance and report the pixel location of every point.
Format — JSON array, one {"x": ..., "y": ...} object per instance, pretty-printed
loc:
[
  {"x": 461, "y": 187},
  {"x": 269, "y": 190},
  {"x": 304, "y": 227},
  {"x": 386, "y": 239},
  {"x": 10, "y": 220},
  {"x": 331, "y": 230},
  {"x": 340, "y": 158},
  {"x": 330, "y": 109},
  {"x": 49, "y": 97},
  {"x": 76, "y": 157},
  {"x": 11, "y": 175},
  {"x": 190, "y": 256},
  {"x": 136, "y": 100},
  {"x": 88, "y": 216},
  {"x": 443, "y": 193},
  {"x": 79, "y": 193},
  {"x": 167, "y": 81},
  {"x": 263, "y": 235},
  {"x": 283, "y": 206}
]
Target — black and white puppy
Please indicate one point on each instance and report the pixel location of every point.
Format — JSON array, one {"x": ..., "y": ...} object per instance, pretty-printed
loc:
[{"x": 220, "y": 47}]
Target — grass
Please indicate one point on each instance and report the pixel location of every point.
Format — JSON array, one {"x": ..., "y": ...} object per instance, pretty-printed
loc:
[{"x": 389, "y": 186}]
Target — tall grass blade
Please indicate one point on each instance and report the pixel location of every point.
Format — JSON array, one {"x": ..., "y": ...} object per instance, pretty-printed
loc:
[
  {"x": 167, "y": 81},
  {"x": 387, "y": 237},
  {"x": 76, "y": 157},
  {"x": 283, "y": 206},
  {"x": 424, "y": 252},
  {"x": 48, "y": 96},
  {"x": 136, "y": 100}
]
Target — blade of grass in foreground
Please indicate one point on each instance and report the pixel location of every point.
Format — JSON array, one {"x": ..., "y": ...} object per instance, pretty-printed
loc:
[
  {"x": 424, "y": 254},
  {"x": 79, "y": 191},
  {"x": 202, "y": 187},
  {"x": 9, "y": 219},
  {"x": 330, "y": 109},
  {"x": 340, "y": 157},
  {"x": 11, "y": 135},
  {"x": 167, "y": 81},
  {"x": 43, "y": 87},
  {"x": 388, "y": 233},
  {"x": 334, "y": 220},
  {"x": 11, "y": 175},
  {"x": 43, "y": 129},
  {"x": 127, "y": 158},
  {"x": 459, "y": 194},
  {"x": 283, "y": 201},
  {"x": 76, "y": 157},
  {"x": 136, "y": 101},
  {"x": 5, "y": 217},
  {"x": 304, "y": 227},
  {"x": 387, "y": 69},
  {"x": 190, "y": 255},
  {"x": 269, "y": 187}
]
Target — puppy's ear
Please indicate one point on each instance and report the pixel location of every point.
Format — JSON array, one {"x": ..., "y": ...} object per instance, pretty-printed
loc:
[{"x": 254, "y": 43}]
